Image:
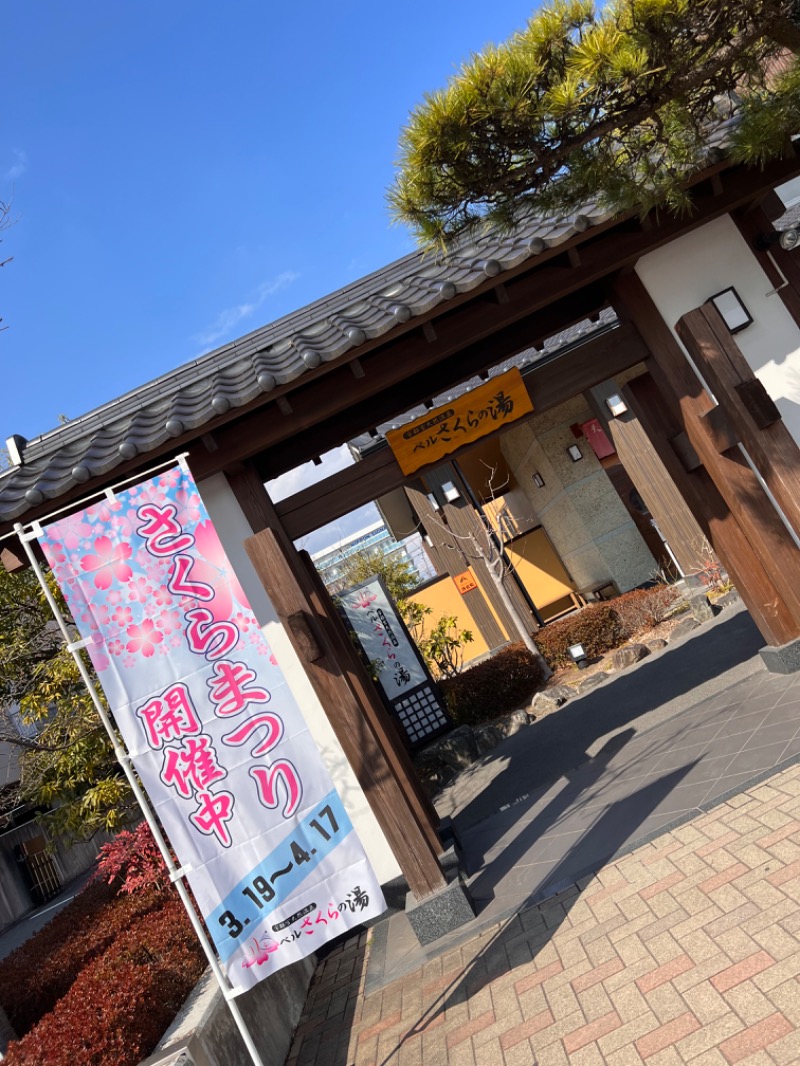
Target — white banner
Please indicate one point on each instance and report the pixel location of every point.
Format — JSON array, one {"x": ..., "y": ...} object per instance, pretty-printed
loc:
[{"x": 213, "y": 729}]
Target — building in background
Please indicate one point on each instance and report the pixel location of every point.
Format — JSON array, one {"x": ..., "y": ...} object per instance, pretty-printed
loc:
[{"x": 375, "y": 540}]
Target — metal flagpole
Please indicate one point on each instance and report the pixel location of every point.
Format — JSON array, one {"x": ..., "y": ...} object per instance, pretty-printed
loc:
[{"x": 124, "y": 759}]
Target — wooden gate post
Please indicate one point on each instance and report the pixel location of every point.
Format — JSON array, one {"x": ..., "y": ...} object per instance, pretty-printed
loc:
[
  {"x": 383, "y": 770},
  {"x": 746, "y": 406},
  {"x": 655, "y": 410},
  {"x": 760, "y": 554}
]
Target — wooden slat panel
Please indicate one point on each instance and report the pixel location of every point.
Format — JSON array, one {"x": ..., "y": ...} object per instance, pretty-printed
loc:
[{"x": 449, "y": 558}]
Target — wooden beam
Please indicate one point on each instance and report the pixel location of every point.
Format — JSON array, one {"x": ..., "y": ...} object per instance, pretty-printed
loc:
[
  {"x": 326, "y": 391},
  {"x": 548, "y": 385},
  {"x": 400, "y": 358}
]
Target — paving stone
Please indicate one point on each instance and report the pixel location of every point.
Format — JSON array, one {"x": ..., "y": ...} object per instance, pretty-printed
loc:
[{"x": 668, "y": 957}]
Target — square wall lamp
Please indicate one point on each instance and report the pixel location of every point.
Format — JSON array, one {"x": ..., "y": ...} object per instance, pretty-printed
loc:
[
  {"x": 574, "y": 453},
  {"x": 734, "y": 313},
  {"x": 616, "y": 405},
  {"x": 451, "y": 493},
  {"x": 538, "y": 480}
]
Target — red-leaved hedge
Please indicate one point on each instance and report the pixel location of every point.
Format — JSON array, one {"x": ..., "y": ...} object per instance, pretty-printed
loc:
[
  {"x": 39, "y": 973},
  {"x": 600, "y": 627},
  {"x": 121, "y": 1003}
]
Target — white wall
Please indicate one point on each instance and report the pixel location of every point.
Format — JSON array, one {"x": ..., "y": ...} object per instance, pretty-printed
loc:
[
  {"x": 685, "y": 273},
  {"x": 233, "y": 529}
]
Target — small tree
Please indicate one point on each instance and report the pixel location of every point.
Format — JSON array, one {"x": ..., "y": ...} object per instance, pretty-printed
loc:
[
  {"x": 614, "y": 104},
  {"x": 66, "y": 761},
  {"x": 397, "y": 573}
]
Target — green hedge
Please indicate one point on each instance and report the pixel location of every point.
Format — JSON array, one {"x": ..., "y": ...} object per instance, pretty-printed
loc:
[{"x": 493, "y": 687}]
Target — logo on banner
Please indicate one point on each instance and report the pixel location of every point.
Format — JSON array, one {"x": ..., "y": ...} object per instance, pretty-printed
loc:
[{"x": 212, "y": 727}]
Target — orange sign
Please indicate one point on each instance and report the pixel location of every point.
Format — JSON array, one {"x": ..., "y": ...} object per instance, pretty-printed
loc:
[
  {"x": 437, "y": 433},
  {"x": 465, "y": 582}
]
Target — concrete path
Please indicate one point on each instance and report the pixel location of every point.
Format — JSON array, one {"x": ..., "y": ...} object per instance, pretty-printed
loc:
[{"x": 677, "y": 785}]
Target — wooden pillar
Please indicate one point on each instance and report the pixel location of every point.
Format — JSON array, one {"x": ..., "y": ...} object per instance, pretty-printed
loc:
[
  {"x": 657, "y": 411},
  {"x": 640, "y": 458},
  {"x": 362, "y": 725},
  {"x": 757, "y": 550},
  {"x": 745, "y": 405}
]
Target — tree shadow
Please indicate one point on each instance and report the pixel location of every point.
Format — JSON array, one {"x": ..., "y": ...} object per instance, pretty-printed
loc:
[
  {"x": 553, "y": 746},
  {"x": 516, "y": 936}
]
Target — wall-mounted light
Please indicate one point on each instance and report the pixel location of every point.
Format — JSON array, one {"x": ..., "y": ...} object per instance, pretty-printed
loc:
[
  {"x": 427, "y": 540},
  {"x": 788, "y": 239},
  {"x": 734, "y": 313},
  {"x": 616, "y": 405},
  {"x": 577, "y": 653},
  {"x": 451, "y": 493},
  {"x": 574, "y": 453},
  {"x": 434, "y": 502},
  {"x": 538, "y": 480}
]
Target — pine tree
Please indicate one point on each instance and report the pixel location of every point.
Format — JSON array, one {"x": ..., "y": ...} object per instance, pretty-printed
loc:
[{"x": 615, "y": 105}]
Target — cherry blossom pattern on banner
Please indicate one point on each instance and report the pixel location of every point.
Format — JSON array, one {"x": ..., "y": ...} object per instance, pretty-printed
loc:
[{"x": 125, "y": 600}]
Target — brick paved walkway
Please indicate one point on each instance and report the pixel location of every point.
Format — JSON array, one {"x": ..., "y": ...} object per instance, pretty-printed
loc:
[{"x": 686, "y": 950}]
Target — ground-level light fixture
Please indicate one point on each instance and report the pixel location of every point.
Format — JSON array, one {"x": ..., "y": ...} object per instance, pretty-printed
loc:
[
  {"x": 574, "y": 453},
  {"x": 577, "y": 653},
  {"x": 451, "y": 493},
  {"x": 616, "y": 405},
  {"x": 734, "y": 313},
  {"x": 788, "y": 239},
  {"x": 538, "y": 480}
]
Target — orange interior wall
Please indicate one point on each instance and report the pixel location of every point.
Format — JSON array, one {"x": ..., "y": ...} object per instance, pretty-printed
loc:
[{"x": 444, "y": 599}]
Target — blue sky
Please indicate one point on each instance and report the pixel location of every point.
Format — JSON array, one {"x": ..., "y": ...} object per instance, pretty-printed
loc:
[{"x": 182, "y": 173}]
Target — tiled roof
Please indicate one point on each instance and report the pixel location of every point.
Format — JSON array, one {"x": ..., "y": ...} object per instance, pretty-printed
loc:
[{"x": 199, "y": 395}]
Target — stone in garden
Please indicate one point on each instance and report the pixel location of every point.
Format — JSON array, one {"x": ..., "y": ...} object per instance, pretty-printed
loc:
[
  {"x": 656, "y": 644},
  {"x": 625, "y": 657},
  {"x": 550, "y": 700},
  {"x": 433, "y": 772},
  {"x": 458, "y": 749},
  {"x": 683, "y": 629},
  {"x": 592, "y": 682},
  {"x": 700, "y": 607},
  {"x": 730, "y": 599},
  {"x": 487, "y": 736}
]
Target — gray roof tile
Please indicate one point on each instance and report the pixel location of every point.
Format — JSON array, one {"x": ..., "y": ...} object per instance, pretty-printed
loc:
[{"x": 199, "y": 393}]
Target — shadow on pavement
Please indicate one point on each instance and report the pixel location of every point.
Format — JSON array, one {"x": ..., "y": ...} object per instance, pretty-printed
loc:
[
  {"x": 550, "y": 748},
  {"x": 499, "y": 953}
]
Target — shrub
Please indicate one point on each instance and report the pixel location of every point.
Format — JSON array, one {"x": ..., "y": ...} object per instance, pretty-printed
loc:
[
  {"x": 597, "y": 627},
  {"x": 494, "y": 687},
  {"x": 600, "y": 627},
  {"x": 35, "y": 976},
  {"x": 120, "y": 1005},
  {"x": 641, "y": 609},
  {"x": 133, "y": 861}
]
